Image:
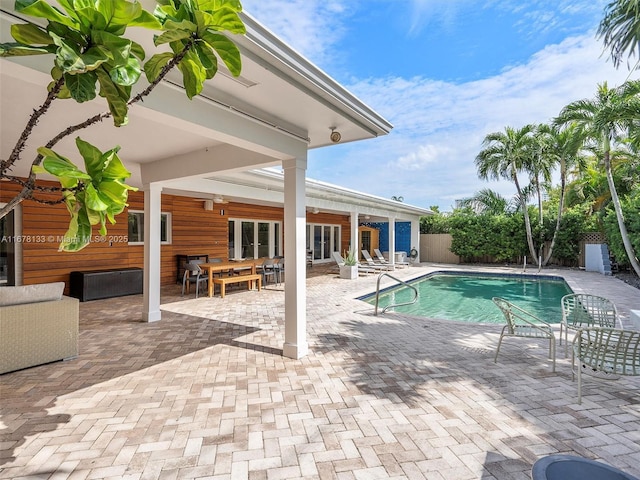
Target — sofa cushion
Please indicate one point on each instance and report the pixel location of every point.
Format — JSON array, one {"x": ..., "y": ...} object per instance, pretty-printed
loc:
[{"x": 42, "y": 292}]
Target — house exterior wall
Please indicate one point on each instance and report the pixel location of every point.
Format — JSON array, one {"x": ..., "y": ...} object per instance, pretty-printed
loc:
[{"x": 194, "y": 230}]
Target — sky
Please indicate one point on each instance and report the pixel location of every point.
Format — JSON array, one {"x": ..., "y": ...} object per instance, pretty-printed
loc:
[{"x": 445, "y": 73}]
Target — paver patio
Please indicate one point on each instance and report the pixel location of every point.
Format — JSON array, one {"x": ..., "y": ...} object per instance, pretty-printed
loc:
[{"x": 206, "y": 394}]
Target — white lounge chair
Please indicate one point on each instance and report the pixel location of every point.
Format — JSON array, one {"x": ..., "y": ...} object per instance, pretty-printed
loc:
[
  {"x": 373, "y": 264},
  {"x": 361, "y": 268},
  {"x": 381, "y": 259}
]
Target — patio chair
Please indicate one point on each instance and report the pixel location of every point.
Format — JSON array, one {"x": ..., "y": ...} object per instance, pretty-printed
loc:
[
  {"x": 605, "y": 353},
  {"x": 582, "y": 310},
  {"x": 373, "y": 264},
  {"x": 383, "y": 260},
  {"x": 521, "y": 323},
  {"x": 193, "y": 273},
  {"x": 269, "y": 270},
  {"x": 361, "y": 268}
]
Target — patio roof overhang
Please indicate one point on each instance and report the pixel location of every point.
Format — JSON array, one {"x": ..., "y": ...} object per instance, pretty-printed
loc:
[{"x": 281, "y": 105}]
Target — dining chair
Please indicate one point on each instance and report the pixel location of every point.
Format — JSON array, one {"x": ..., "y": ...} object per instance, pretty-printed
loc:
[
  {"x": 193, "y": 273},
  {"x": 269, "y": 270}
]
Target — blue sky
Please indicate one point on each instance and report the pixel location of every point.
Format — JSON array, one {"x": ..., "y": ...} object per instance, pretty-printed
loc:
[{"x": 445, "y": 74}]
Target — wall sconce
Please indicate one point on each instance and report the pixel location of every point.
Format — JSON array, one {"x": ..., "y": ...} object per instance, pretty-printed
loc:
[
  {"x": 208, "y": 205},
  {"x": 315, "y": 210},
  {"x": 335, "y": 135}
]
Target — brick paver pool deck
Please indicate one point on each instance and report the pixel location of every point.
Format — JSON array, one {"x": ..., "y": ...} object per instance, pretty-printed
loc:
[{"x": 205, "y": 393}]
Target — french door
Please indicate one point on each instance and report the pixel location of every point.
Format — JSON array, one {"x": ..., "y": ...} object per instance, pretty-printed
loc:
[
  {"x": 254, "y": 239},
  {"x": 322, "y": 240}
]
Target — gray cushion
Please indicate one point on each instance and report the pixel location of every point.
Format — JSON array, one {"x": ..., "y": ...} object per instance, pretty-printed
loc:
[{"x": 42, "y": 292}]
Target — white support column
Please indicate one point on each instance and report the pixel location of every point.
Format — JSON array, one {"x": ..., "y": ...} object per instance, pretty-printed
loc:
[
  {"x": 295, "y": 289},
  {"x": 355, "y": 245},
  {"x": 392, "y": 240},
  {"x": 415, "y": 237},
  {"x": 151, "y": 284}
]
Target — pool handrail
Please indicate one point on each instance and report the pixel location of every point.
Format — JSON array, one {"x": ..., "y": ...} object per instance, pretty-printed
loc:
[{"x": 393, "y": 305}]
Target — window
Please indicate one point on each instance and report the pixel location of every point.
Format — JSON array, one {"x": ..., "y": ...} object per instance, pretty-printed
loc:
[{"x": 136, "y": 227}]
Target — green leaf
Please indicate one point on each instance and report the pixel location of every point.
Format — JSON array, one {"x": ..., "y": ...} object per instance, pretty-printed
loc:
[
  {"x": 60, "y": 166},
  {"x": 227, "y": 19},
  {"x": 226, "y": 49},
  {"x": 193, "y": 75},
  {"x": 41, "y": 9},
  {"x": 155, "y": 64},
  {"x": 93, "y": 160},
  {"x": 116, "y": 192},
  {"x": 126, "y": 74},
  {"x": 67, "y": 57},
  {"x": 30, "y": 34},
  {"x": 117, "y": 105},
  {"x": 172, "y": 36},
  {"x": 119, "y": 48},
  {"x": 93, "y": 201},
  {"x": 146, "y": 20},
  {"x": 78, "y": 235},
  {"x": 212, "y": 5},
  {"x": 114, "y": 168},
  {"x": 81, "y": 87},
  {"x": 19, "y": 50},
  {"x": 207, "y": 58},
  {"x": 90, "y": 19},
  {"x": 137, "y": 51}
]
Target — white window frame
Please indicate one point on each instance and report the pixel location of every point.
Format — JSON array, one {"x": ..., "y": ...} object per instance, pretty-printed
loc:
[{"x": 167, "y": 223}]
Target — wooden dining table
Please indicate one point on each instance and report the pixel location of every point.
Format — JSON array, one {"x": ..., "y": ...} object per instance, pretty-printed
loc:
[{"x": 212, "y": 268}]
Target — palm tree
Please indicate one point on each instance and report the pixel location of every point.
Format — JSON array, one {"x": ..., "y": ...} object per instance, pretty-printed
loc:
[
  {"x": 505, "y": 155},
  {"x": 608, "y": 118},
  {"x": 487, "y": 201},
  {"x": 620, "y": 29},
  {"x": 566, "y": 145}
]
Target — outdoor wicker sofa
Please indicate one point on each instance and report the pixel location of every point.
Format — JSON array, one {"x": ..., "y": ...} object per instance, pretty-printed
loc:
[{"x": 37, "y": 325}]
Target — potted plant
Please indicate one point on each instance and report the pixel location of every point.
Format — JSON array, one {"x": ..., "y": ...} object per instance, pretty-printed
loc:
[{"x": 350, "y": 268}]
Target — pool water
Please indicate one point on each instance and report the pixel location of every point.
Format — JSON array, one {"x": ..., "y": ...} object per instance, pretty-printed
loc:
[{"x": 467, "y": 297}]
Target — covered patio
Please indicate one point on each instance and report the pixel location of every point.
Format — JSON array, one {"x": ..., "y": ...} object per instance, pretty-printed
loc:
[
  {"x": 206, "y": 393},
  {"x": 279, "y": 108}
]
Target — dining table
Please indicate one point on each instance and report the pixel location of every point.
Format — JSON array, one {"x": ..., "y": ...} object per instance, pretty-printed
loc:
[{"x": 229, "y": 266}]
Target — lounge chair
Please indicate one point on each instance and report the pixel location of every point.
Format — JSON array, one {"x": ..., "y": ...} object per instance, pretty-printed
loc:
[
  {"x": 377, "y": 265},
  {"x": 521, "y": 323},
  {"x": 383, "y": 260},
  {"x": 361, "y": 268}
]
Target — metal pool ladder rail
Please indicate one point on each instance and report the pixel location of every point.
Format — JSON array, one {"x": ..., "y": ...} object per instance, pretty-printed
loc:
[{"x": 402, "y": 282}]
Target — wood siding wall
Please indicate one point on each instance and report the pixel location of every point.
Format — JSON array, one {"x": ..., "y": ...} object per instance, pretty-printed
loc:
[{"x": 194, "y": 230}]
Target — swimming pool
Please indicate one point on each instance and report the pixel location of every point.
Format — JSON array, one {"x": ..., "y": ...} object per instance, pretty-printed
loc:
[{"x": 467, "y": 296}]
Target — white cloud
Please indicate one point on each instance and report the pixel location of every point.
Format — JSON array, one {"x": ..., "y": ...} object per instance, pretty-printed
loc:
[
  {"x": 312, "y": 27},
  {"x": 439, "y": 126}
]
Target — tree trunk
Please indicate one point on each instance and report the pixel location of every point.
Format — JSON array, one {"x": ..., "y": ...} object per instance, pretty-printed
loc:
[
  {"x": 618, "y": 208},
  {"x": 563, "y": 182},
  {"x": 527, "y": 221}
]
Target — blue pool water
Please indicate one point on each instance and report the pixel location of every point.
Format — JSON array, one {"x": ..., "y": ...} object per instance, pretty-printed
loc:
[{"x": 467, "y": 297}]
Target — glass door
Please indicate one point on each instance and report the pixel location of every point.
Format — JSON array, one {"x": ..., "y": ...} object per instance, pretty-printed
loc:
[
  {"x": 263, "y": 240},
  {"x": 322, "y": 240},
  {"x": 7, "y": 250},
  {"x": 258, "y": 239},
  {"x": 248, "y": 229}
]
